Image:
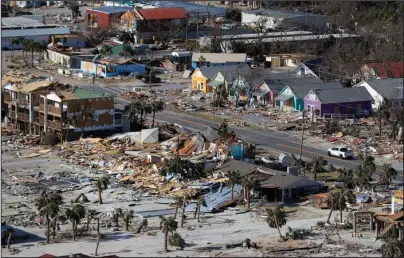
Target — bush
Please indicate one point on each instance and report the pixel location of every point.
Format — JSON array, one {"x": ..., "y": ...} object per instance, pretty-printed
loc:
[
  {"x": 320, "y": 224},
  {"x": 176, "y": 240}
]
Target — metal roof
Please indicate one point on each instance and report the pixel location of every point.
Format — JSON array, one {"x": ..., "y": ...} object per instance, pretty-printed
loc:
[
  {"x": 280, "y": 14},
  {"x": 20, "y": 22},
  {"x": 190, "y": 8},
  {"x": 210, "y": 72},
  {"x": 390, "y": 89},
  {"x": 163, "y": 13},
  {"x": 111, "y": 9},
  {"x": 343, "y": 95},
  {"x": 34, "y": 32}
]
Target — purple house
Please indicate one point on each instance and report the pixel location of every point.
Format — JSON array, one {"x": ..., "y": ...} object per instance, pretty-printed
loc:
[{"x": 354, "y": 101}]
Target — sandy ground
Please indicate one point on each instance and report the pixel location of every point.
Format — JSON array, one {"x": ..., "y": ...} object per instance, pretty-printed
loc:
[{"x": 207, "y": 238}]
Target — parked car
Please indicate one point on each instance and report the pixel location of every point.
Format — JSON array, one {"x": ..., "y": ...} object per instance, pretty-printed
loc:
[{"x": 342, "y": 152}]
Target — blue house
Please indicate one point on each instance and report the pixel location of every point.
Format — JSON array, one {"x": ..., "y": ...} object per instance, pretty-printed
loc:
[
  {"x": 217, "y": 59},
  {"x": 111, "y": 67}
]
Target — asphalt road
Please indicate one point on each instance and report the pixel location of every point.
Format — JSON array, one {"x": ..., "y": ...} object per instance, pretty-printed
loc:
[{"x": 279, "y": 141}]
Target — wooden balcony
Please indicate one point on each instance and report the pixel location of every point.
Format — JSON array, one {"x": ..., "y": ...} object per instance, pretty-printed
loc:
[
  {"x": 55, "y": 125},
  {"x": 22, "y": 102},
  {"x": 54, "y": 110},
  {"x": 23, "y": 117}
]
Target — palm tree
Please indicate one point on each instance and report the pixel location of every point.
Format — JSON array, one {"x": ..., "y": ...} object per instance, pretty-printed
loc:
[
  {"x": 201, "y": 60},
  {"x": 55, "y": 220},
  {"x": 127, "y": 218},
  {"x": 183, "y": 211},
  {"x": 332, "y": 202},
  {"x": 318, "y": 166},
  {"x": 118, "y": 213},
  {"x": 346, "y": 177},
  {"x": 71, "y": 121},
  {"x": 13, "y": 41},
  {"x": 48, "y": 206},
  {"x": 276, "y": 218},
  {"x": 75, "y": 9},
  {"x": 344, "y": 197},
  {"x": 233, "y": 178},
  {"x": 132, "y": 110},
  {"x": 176, "y": 240},
  {"x": 75, "y": 214},
  {"x": 167, "y": 225},
  {"x": 126, "y": 38},
  {"x": 387, "y": 175},
  {"x": 102, "y": 184},
  {"x": 156, "y": 106},
  {"x": 25, "y": 47},
  {"x": 201, "y": 202},
  {"x": 249, "y": 184},
  {"x": 365, "y": 170},
  {"x": 85, "y": 116},
  {"x": 178, "y": 202},
  {"x": 41, "y": 47}
]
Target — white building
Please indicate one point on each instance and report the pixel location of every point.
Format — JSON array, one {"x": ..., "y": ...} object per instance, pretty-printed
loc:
[
  {"x": 276, "y": 19},
  {"x": 390, "y": 90},
  {"x": 26, "y": 27}
]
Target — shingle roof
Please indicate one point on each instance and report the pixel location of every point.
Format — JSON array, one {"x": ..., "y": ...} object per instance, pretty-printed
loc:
[
  {"x": 285, "y": 180},
  {"x": 162, "y": 13},
  {"x": 300, "y": 91},
  {"x": 343, "y": 95},
  {"x": 389, "y": 88},
  {"x": 220, "y": 57},
  {"x": 243, "y": 168},
  {"x": 277, "y": 82},
  {"x": 210, "y": 72}
]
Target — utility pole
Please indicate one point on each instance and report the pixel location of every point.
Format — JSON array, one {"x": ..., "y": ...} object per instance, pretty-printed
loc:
[
  {"x": 93, "y": 80},
  {"x": 301, "y": 143}
]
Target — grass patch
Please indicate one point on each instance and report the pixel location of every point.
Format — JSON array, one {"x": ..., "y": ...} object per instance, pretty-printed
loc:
[
  {"x": 324, "y": 176},
  {"x": 210, "y": 117}
]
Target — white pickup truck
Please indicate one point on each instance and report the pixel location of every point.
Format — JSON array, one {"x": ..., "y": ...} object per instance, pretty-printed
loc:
[{"x": 342, "y": 152}]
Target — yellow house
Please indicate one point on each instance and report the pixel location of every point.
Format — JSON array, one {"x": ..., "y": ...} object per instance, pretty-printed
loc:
[{"x": 200, "y": 81}]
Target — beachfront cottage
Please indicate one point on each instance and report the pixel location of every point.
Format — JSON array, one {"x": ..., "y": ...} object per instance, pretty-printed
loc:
[
  {"x": 291, "y": 98},
  {"x": 342, "y": 101}
]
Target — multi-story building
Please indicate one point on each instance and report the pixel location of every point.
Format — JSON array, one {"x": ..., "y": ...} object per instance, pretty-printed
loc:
[{"x": 44, "y": 106}]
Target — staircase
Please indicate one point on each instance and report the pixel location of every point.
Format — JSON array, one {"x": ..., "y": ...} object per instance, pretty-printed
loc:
[{"x": 387, "y": 229}]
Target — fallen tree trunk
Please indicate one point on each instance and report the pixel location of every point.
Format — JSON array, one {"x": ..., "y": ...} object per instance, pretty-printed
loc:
[{"x": 295, "y": 249}]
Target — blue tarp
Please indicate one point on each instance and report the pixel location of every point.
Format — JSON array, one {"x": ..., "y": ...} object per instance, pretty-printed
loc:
[
  {"x": 217, "y": 198},
  {"x": 363, "y": 198}
]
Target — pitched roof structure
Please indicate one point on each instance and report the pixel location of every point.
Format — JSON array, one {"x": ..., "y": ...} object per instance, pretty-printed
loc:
[
  {"x": 163, "y": 13},
  {"x": 80, "y": 93},
  {"x": 285, "y": 180},
  {"x": 278, "y": 81},
  {"x": 389, "y": 88},
  {"x": 110, "y": 9},
  {"x": 210, "y": 72},
  {"x": 342, "y": 95},
  {"x": 300, "y": 91},
  {"x": 220, "y": 57}
]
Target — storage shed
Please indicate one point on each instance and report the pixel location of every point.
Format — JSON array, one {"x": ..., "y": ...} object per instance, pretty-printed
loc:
[{"x": 103, "y": 17}]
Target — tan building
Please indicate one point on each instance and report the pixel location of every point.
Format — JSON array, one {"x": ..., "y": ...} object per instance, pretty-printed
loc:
[{"x": 43, "y": 106}]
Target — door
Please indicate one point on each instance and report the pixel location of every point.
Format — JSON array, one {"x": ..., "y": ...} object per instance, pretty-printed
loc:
[{"x": 336, "y": 109}]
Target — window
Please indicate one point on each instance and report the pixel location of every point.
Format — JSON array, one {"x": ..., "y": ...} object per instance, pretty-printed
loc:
[
  {"x": 111, "y": 69},
  {"x": 208, "y": 64},
  {"x": 302, "y": 71},
  {"x": 294, "y": 61}
]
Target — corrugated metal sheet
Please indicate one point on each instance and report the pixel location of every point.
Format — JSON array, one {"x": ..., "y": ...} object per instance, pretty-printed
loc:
[
  {"x": 34, "y": 32},
  {"x": 163, "y": 13}
]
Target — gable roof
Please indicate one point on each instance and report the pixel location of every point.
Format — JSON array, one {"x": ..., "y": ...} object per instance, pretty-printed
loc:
[
  {"x": 277, "y": 82},
  {"x": 388, "y": 88},
  {"x": 388, "y": 70},
  {"x": 220, "y": 57},
  {"x": 286, "y": 180},
  {"x": 229, "y": 71},
  {"x": 343, "y": 95},
  {"x": 243, "y": 168},
  {"x": 162, "y": 13},
  {"x": 300, "y": 91}
]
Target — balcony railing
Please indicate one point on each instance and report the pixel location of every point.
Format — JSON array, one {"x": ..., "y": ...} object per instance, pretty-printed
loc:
[
  {"x": 54, "y": 110},
  {"x": 55, "y": 125},
  {"x": 23, "y": 117},
  {"x": 22, "y": 102}
]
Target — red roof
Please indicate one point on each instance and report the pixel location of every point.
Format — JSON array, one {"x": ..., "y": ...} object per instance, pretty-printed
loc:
[
  {"x": 47, "y": 256},
  {"x": 388, "y": 70},
  {"x": 162, "y": 13}
]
